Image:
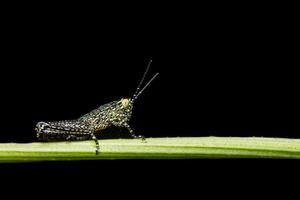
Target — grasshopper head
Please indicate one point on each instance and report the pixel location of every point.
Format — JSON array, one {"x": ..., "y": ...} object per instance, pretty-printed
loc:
[
  {"x": 123, "y": 110},
  {"x": 126, "y": 102}
]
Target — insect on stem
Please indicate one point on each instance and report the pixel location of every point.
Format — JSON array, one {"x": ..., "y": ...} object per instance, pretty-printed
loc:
[{"x": 115, "y": 113}]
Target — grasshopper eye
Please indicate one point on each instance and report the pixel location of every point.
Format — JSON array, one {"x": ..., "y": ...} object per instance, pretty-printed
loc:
[
  {"x": 41, "y": 126},
  {"x": 125, "y": 102}
]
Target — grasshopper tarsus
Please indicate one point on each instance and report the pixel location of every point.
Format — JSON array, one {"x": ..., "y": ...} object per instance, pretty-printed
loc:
[{"x": 138, "y": 137}]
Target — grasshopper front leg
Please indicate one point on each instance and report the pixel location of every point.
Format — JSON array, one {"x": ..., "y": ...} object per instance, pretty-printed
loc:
[{"x": 132, "y": 133}]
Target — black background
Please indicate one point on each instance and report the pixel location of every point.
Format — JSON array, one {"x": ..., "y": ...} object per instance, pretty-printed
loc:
[
  {"x": 225, "y": 70},
  {"x": 222, "y": 74}
]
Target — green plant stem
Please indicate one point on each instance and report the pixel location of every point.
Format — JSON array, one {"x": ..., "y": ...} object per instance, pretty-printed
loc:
[{"x": 153, "y": 148}]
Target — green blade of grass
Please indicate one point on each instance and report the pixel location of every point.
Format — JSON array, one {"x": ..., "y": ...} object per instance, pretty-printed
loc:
[{"x": 153, "y": 148}]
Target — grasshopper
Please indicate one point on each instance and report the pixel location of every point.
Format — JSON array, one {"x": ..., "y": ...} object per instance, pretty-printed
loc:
[{"x": 115, "y": 113}]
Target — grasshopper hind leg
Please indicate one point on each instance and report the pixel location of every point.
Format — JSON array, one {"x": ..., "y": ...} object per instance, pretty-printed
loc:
[
  {"x": 77, "y": 138},
  {"x": 85, "y": 137}
]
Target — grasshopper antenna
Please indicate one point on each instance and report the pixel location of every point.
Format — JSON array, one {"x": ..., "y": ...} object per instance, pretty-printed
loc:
[
  {"x": 143, "y": 78},
  {"x": 140, "y": 91}
]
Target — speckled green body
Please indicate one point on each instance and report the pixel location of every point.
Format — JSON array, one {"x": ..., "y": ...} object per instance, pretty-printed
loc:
[
  {"x": 110, "y": 114},
  {"x": 116, "y": 113}
]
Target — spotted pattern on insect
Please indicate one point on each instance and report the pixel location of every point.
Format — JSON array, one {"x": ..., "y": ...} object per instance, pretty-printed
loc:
[{"x": 115, "y": 113}]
